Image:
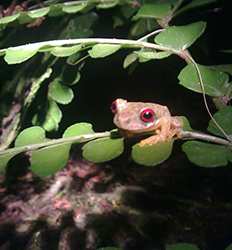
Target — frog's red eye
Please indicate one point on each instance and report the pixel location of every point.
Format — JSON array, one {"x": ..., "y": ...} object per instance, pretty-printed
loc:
[
  {"x": 113, "y": 107},
  {"x": 147, "y": 115}
]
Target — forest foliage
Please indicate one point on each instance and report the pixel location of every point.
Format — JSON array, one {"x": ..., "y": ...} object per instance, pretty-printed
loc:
[{"x": 153, "y": 35}]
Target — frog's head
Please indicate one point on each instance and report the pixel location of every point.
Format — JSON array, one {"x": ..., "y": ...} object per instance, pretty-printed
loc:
[{"x": 134, "y": 117}]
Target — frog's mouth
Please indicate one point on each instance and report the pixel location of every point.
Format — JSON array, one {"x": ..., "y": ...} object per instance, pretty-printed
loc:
[
  {"x": 137, "y": 133},
  {"x": 141, "y": 130}
]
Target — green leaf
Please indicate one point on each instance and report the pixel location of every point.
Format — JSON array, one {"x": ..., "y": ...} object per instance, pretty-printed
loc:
[
  {"x": 65, "y": 51},
  {"x": 181, "y": 246},
  {"x": 52, "y": 10},
  {"x": 126, "y": 11},
  {"x": 24, "y": 18},
  {"x": 195, "y": 4},
  {"x": 108, "y": 4},
  {"x": 56, "y": 10},
  {"x": 229, "y": 156},
  {"x": 75, "y": 59},
  {"x": 49, "y": 160},
  {"x": 59, "y": 92},
  {"x": 154, "y": 10},
  {"x": 227, "y": 51},
  {"x": 38, "y": 12},
  {"x": 76, "y": 80},
  {"x": 148, "y": 55},
  {"x": 71, "y": 75},
  {"x": 74, "y": 8},
  {"x": 102, "y": 149},
  {"x": 2, "y": 52},
  {"x": 152, "y": 155},
  {"x": 180, "y": 37},
  {"x": 117, "y": 21},
  {"x": 224, "y": 118},
  {"x": 129, "y": 59},
  {"x": 205, "y": 154},
  {"x": 80, "y": 26},
  {"x": 186, "y": 123},
  {"x": 78, "y": 129},
  {"x": 103, "y": 50},
  {"x": 229, "y": 247},
  {"x": 35, "y": 86},
  {"x": 4, "y": 159},
  {"x": 27, "y": 136},
  {"x": 19, "y": 54},
  {"x": 215, "y": 82},
  {"x": 143, "y": 26},
  {"x": 30, "y": 135},
  {"x": 53, "y": 117},
  {"x": 9, "y": 19},
  {"x": 223, "y": 67}
]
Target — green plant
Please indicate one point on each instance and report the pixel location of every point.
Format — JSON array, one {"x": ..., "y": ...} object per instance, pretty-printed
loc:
[
  {"x": 156, "y": 45},
  {"x": 181, "y": 246}
]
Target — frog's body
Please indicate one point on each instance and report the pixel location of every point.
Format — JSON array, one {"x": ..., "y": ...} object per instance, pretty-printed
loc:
[{"x": 139, "y": 118}]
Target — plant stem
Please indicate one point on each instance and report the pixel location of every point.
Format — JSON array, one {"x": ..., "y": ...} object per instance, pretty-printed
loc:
[
  {"x": 205, "y": 100},
  {"x": 79, "y": 60},
  {"x": 55, "y": 142},
  {"x": 126, "y": 43},
  {"x": 150, "y": 34},
  {"x": 50, "y": 2},
  {"x": 177, "y": 5},
  {"x": 185, "y": 135}
]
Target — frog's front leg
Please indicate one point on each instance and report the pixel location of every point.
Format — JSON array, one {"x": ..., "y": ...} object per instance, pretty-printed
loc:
[{"x": 163, "y": 132}]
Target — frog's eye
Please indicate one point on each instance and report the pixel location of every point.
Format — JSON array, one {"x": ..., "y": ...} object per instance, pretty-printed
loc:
[
  {"x": 114, "y": 107},
  {"x": 147, "y": 115}
]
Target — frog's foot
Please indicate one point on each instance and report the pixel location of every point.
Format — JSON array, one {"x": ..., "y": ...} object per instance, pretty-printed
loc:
[
  {"x": 176, "y": 126},
  {"x": 165, "y": 131},
  {"x": 152, "y": 140},
  {"x": 161, "y": 137}
]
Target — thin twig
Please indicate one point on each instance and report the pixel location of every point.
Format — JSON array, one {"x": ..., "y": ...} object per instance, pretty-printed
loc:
[
  {"x": 91, "y": 41},
  {"x": 50, "y": 2},
  {"x": 79, "y": 60},
  {"x": 55, "y": 142},
  {"x": 150, "y": 34},
  {"x": 177, "y": 5},
  {"x": 186, "y": 135},
  {"x": 205, "y": 101}
]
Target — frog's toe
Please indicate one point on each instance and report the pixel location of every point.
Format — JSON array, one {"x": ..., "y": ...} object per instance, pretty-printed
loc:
[{"x": 150, "y": 141}]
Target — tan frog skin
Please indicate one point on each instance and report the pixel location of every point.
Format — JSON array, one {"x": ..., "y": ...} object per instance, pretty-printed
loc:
[{"x": 130, "y": 119}]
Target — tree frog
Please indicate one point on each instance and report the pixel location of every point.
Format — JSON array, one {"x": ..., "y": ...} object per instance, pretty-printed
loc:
[{"x": 135, "y": 118}]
